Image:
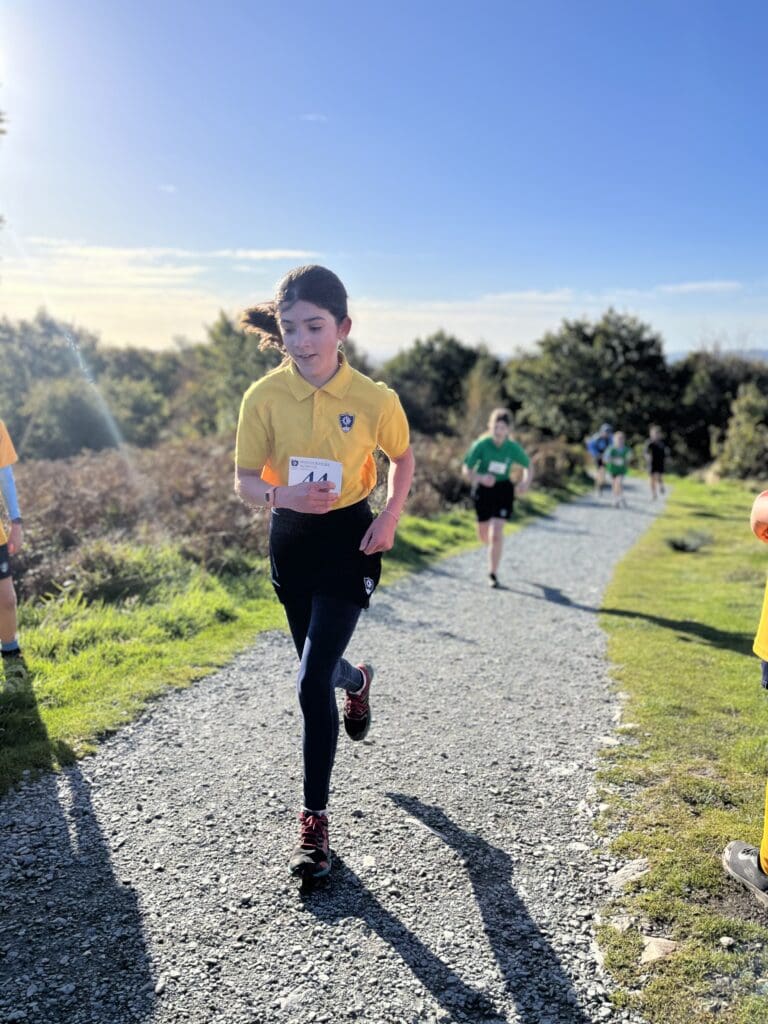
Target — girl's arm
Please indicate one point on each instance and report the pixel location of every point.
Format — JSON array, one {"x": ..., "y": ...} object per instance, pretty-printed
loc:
[
  {"x": 317, "y": 498},
  {"x": 526, "y": 480},
  {"x": 8, "y": 488},
  {"x": 380, "y": 535}
]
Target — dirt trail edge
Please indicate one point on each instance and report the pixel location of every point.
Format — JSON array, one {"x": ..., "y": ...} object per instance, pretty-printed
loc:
[{"x": 149, "y": 882}]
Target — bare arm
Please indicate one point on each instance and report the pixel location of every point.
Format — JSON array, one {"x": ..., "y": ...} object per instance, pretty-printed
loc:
[
  {"x": 317, "y": 498},
  {"x": 474, "y": 478},
  {"x": 380, "y": 535},
  {"x": 526, "y": 479}
]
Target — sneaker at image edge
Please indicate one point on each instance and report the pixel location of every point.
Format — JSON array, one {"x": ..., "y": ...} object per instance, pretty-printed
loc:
[
  {"x": 357, "y": 706},
  {"x": 742, "y": 862},
  {"x": 312, "y": 854}
]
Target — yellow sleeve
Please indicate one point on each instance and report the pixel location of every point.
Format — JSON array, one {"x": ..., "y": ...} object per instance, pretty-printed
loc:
[
  {"x": 760, "y": 646},
  {"x": 7, "y": 452},
  {"x": 252, "y": 447},
  {"x": 394, "y": 433}
]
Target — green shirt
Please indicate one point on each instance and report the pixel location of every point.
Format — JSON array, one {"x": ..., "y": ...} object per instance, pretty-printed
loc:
[
  {"x": 485, "y": 456},
  {"x": 617, "y": 459}
]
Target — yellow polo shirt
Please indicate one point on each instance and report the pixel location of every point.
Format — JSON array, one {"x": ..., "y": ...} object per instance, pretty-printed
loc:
[
  {"x": 284, "y": 417},
  {"x": 7, "y": 458},
  {"x": 760, "y": 646}
]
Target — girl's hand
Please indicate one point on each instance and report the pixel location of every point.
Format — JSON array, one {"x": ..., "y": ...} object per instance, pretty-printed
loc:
[
  {"x": 380, "y": 535},
  {"x": 522, "y": 486},
  {"x": 15, "y": 538},
  {"x": 486, "y": 479},
  {"x": 317, "y": 498}
]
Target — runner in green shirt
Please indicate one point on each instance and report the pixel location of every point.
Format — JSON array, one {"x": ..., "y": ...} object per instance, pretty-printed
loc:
[
  {"x": 617, "y": 459},
  {"x": 488, "y": 465}
]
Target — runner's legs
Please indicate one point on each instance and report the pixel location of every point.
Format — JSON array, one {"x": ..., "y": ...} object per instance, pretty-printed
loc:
[{"x": 321, "y": 626}]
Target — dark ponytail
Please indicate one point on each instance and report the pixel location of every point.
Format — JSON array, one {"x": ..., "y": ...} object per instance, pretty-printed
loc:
[
  {"x": 262, "y": 319},
  {"x": 312, "y": 284}
]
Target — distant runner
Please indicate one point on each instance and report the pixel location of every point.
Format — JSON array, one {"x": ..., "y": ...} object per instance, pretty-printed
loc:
[
  {"x": 617, "y": 457},
  {"x": 656, "y": 452},
  {"x": 305, "y": 441},
  {"x": 596, "y": 446},
  {"x": 10, "y": 544},
  {"x": 488, "y": 465}
]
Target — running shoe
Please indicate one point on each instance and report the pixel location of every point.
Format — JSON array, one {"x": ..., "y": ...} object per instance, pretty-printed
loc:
[
  {"x": 492, "y": 580},
  {"x": 742, "y": 862},
  {"x": 357, "y": 706},
  {"x": 312, "y": 856}
]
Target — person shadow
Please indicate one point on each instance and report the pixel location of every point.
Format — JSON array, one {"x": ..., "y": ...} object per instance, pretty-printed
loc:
[
  {"x": 532, "y": 976},
  {"x": 72, "y": 941},
  {"x": 686, "y": 629}
]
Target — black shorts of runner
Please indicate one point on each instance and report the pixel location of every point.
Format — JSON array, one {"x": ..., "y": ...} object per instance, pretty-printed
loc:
[
  {"x": 599, "y": 461},
  {"x": 320, "y": 554},
  {"x": 495, "y": 502},
  {"x": 5, "y": 562},
  {"x": 657, "y": 464}
]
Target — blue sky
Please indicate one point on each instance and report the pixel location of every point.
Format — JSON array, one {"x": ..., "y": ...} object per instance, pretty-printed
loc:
[{"x": 486, "y": 168}]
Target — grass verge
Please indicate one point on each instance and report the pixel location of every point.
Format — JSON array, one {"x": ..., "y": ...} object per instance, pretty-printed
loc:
[
  {"x": 680, "y": 614},
  {"x": 149, "y": 620}
]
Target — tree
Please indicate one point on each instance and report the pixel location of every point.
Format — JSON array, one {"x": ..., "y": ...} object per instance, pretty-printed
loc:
[
  {"x": 705, "y": 385},
  {"x": 483, "y": 392},
  {"x": 62, "y": 418},
  {"x": 35, "y": 351},
  {"x": 745, "y": 450},
  {"x": 140, "y": 411},
  {"x": 430, "y": 379},
  {"x": 586, "y": 373}
]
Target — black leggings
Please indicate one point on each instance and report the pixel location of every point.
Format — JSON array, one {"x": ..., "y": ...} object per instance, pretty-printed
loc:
[{"x": 321, "y": 626}]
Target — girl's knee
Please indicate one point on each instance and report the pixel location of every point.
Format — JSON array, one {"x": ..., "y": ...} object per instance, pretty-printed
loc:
[{"x": 7, "y": 598}]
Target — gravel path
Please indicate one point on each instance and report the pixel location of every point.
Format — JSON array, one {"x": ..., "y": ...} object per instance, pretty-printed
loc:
[{"x": 149, "y": 882}]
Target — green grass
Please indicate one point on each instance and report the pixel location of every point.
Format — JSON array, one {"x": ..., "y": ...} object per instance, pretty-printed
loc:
[
  {"x": 148, "y": 620},
  {"x": 681, "y": 619}
]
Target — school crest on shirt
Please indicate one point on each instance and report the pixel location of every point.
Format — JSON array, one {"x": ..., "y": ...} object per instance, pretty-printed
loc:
[
  {"x": 369, "y": 585},
  {"x": 346, "y": 421}
]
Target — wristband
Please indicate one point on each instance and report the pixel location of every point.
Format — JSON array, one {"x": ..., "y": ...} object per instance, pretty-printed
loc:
[
  {"x": 385, "y": 511},
  {"x": 18, "y": 520}
]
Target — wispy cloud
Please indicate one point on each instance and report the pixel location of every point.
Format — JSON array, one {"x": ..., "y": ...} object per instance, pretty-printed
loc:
[
  {"x": 318, "y": 118},
  {"x": 263, "y": 254},
  {"x": 700, "y": 287},
  {"x": 146, "y": 295},
  {"x": 169, "y": 189},
  {"x": 143, "y": 295}
]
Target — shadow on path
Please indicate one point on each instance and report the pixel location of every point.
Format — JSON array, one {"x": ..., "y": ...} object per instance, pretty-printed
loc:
[
  {"x": 72, "y": 943},
  {"x": 741, "y": 643},
  {"x": 532, "y": 975}
]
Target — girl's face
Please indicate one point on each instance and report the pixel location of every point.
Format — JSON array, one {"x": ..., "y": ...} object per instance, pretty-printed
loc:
[
  {"x": 500, "y": 431},
  {"x": 311, "y": 337},
  {"x": 618, "y": 438}
]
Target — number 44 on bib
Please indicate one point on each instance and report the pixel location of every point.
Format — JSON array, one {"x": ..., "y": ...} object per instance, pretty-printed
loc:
[{"x": 305, "y": 470}]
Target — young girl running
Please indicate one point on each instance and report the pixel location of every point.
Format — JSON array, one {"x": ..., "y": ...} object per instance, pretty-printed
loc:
[
  {"x": 305, "y": 441},
  {"x": 488, "y": 465},
  {"x": 617, "y": 458}
]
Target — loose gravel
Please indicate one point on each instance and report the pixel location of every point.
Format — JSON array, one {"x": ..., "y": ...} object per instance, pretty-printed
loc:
[{"x": 149, "y": 882}]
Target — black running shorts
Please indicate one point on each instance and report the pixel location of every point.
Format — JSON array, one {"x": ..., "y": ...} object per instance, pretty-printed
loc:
[
  {"x": 320, "y": 554},
  {"x": 495, "y": 502}
]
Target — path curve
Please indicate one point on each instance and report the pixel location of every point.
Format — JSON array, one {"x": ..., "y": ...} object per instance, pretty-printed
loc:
[{"x": 149, "y": 882}]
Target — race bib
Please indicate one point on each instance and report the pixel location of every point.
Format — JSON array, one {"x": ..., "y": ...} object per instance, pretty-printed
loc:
[
  {"x": 498, "y": 468},
  {"x": 302, "y": 470}
]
